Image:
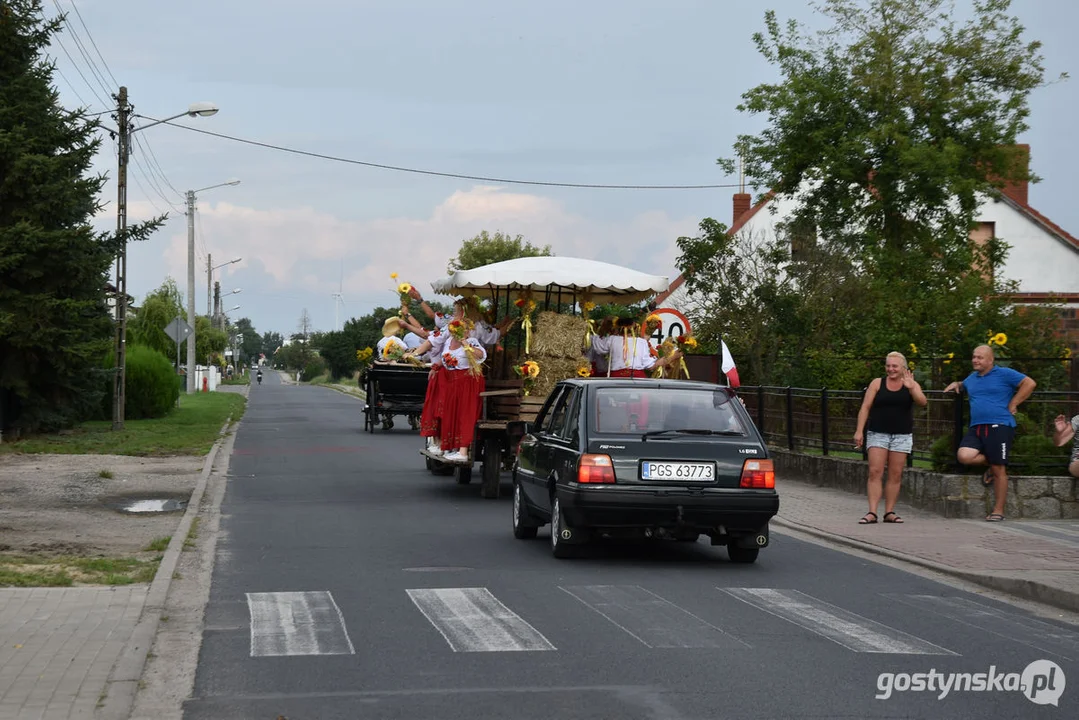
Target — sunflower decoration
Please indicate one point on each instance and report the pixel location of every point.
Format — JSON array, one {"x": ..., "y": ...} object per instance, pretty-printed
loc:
[
  {"x": 363, "y": 357},
  {"x": 665, "y": 349},
  {"x": 527, "y": 371},
  {"x": 651, "y": 323},
  {"x": 458, "y": 329},
  {"x": 584, "y": 369},
  {"x": 527, "y": 306},
  {"x": 998, "y": 341},
  {"x": 587, "y": 306},
  {"x": 393, "y": 352}
]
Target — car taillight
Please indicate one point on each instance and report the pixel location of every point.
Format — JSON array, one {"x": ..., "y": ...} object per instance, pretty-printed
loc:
[
  {"x": 595, "y": 469},
  {"x": 758, "y": 474}
]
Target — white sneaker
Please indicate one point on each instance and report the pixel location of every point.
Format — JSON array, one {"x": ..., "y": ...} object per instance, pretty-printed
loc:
[{"x": 455, "y": 457}]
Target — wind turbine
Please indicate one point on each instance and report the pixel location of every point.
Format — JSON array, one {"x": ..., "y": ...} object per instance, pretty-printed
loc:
[{"x": 338, "y": 298}]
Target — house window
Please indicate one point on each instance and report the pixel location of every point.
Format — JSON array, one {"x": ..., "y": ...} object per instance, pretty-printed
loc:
[{"x": 980, "y": 236}]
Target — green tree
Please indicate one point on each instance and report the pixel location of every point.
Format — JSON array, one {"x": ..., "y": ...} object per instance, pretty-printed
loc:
[
  {"x": 55, "y": 326},
  {"x": 210, "y": 342},
  {"x": 270, "y": 342},
  {"x": 884, "y": 134},
  {"x": 339, "y": 350},
  {"x": 249, "y": 343},
  {"x": 485, "y": 249},
  {"x": 158, "y": 309}
]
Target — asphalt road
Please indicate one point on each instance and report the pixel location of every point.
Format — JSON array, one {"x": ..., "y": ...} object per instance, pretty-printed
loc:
[{"x": 351, "y": 583}]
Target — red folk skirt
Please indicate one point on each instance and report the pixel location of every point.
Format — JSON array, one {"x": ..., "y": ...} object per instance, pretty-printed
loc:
[
  {"x": 461, "y": 407},
  {"x": 431, "y": 417},
  {"x": 626, "y": 372}
]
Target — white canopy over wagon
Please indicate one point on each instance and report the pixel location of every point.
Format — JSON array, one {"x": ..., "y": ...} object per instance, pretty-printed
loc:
[{"x": 550, "y": 276}]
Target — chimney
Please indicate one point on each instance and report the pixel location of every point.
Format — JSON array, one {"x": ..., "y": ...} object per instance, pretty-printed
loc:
[
  {"x": 1018, "y": 190},
  {"x": 742, "y": 201}
]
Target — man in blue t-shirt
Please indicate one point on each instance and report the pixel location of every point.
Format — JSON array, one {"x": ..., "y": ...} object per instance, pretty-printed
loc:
[{"x": 995, "y": 394}]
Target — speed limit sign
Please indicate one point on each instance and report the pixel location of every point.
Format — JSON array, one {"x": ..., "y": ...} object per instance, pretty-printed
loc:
[{"x": 674, "y": 324}]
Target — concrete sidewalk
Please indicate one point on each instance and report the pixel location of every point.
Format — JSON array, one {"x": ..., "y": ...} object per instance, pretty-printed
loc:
[
  {"x": 78, "y": 652},
  {"x": 1033, "y": 559}
]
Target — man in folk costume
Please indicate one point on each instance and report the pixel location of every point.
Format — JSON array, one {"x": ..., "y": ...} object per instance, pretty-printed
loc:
[{"x": 462, "y": 358}]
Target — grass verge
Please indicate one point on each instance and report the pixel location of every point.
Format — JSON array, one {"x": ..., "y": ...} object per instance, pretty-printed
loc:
[
  {"x": 190, "y": 429},
  {"x": 238, "y": 380},
  {"x": 18, "y": 570}
]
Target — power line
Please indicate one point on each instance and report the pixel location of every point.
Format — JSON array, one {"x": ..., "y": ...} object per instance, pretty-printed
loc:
[
  {"x": 89, "y": 35},
  {"x": 70, "y": 85},
  {"x": 79, "y": 71},
  {"x": 82, "y": 50},
  {"x": 461, "y": 176}
]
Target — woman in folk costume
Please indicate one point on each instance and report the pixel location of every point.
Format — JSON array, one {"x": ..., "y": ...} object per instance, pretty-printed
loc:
[
  {"x": 627, "y": 354},
  {"x": 597, "y": 359},
  {"x": 430, "y": 350},
  {"x": 463, "y": 358},
  {"x": 390, "y": 346}
]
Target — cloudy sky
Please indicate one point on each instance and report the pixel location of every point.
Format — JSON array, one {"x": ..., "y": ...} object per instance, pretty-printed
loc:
[{"x": 626, "y": 92}]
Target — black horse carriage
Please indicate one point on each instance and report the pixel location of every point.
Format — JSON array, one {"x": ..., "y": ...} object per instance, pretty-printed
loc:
[{"x": 393, "y": 389}]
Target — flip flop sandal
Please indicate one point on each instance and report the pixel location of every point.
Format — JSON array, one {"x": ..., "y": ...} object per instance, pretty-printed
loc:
[
  {"x": 866, "y": 521},
  {"x": 995, "y": 517},
  {"x": 987, "y": 478},
  {"x": 895, "y": 518}
]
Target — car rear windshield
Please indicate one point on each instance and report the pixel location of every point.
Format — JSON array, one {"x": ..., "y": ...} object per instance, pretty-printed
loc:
[{"x": 621, "y": 410}]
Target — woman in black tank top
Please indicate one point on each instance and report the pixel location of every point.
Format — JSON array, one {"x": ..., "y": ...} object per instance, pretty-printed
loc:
[{"x": 887, "y": 420}]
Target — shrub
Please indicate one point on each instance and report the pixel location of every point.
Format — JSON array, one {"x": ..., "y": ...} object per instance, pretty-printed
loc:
[
  {"x": 315, "y": 366},
  {"x": 1033, "y": 452},
  {"x": 943, "y": 457},
  {"x": 152, "y": 386}
]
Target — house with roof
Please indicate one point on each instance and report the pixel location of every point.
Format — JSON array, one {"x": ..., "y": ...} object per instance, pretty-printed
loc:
[{"x": 1043, "y": 259}]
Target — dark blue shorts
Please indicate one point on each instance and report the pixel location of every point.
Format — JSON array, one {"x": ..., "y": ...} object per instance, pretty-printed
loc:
[{"x": 993, "y": 441}]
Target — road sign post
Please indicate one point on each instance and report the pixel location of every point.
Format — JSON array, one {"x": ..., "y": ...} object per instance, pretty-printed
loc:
[{"x": 179, "y": 331}]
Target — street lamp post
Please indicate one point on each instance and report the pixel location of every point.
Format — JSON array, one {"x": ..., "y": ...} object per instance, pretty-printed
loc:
[
  {"x": 210, "y": 267},
  {"x": 191, "y": 280},
  {"x": 124, "y": 131}
]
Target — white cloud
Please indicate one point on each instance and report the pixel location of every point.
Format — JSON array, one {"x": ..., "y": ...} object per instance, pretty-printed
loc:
[{"x": 292, "y": 251}]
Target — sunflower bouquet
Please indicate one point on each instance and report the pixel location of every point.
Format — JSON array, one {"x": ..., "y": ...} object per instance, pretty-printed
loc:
[
  {"x": 528, "y": 371},
  {"x": 394, "y": 352}
]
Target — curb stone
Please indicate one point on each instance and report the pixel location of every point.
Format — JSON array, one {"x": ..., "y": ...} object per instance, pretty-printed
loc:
[
  {"x": 1026, "y": 589},
  {"x": 123, "y": 682}
]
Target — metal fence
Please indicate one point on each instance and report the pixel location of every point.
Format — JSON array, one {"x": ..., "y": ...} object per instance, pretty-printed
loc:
[{"x": 823, "y": 421}]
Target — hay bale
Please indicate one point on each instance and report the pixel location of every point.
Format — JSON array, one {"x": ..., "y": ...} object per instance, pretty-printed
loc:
[
  {"x": 555, "y": 335},
  {"x": 552, "y": 369}
]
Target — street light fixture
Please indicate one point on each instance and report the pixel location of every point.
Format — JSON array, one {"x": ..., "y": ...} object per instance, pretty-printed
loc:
[
  {"x": 210, "y": 267},
  {"x": 124, "y": 131},
  {"x": 195, "y": 109}
]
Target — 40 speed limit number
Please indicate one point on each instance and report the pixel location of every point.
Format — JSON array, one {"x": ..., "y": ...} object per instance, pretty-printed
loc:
[{"x": 674, "y": 324}]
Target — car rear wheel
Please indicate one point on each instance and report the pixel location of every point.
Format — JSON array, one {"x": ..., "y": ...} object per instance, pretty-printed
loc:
[
  {"x": 560, "y": 533},
  {"x": 742, "y": 555},
  {"x": 524, "y": 528}
]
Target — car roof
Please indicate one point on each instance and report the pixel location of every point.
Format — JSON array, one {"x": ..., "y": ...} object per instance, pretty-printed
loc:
[{"x": 646, "y": 383}]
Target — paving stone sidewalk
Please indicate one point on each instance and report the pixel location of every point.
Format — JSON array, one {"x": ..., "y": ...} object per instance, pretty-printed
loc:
[
  {"x": 1038, "y": 560},
  {"x": 58, "y": 646}
]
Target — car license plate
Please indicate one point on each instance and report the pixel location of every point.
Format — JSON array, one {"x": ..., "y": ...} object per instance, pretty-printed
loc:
[{"x": 694, "y": 472}]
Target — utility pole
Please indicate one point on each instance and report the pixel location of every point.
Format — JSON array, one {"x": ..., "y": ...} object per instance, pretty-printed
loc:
[
  {"x": 191, "y": 290},
  {"x": 209, "y": 284},
  {"x": 119, "y": 377},
  {"x": 217, "y": 304}
]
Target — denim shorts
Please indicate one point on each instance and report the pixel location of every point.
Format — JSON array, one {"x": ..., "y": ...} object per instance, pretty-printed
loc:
[{"x": 900, "y": 443}]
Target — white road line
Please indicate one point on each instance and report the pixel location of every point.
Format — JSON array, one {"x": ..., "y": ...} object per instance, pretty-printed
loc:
[
  {"x": 1033, "y": 633},
  {"x": 297, "y": 623},
  {"x": 852, "y": 631},
  {"x": 473, "y": 620},
  {"x": 654, "y": 621}
]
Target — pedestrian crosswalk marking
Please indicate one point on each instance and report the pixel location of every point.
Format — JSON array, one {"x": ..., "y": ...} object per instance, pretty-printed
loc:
[
  {"x": 1033, "y": 633},
  {"x": 473, "y": 620},
  {"x": 654, "y": 621},
  {"x": 297, "y": 623},
  {"x": 852, "y": 631}
]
